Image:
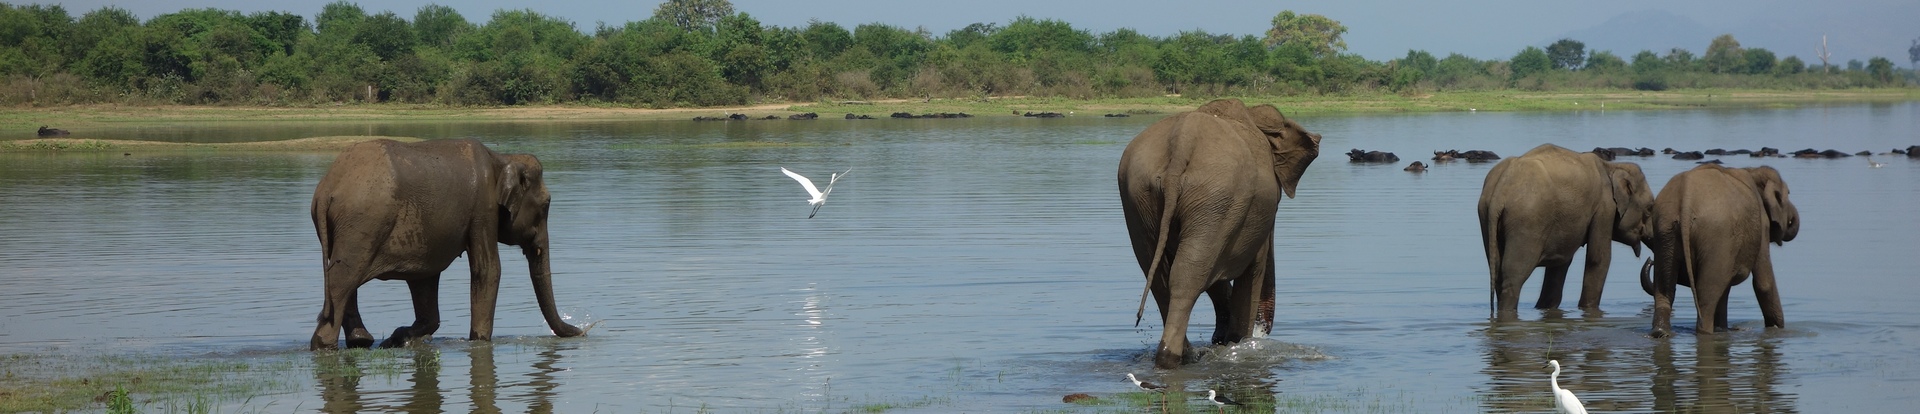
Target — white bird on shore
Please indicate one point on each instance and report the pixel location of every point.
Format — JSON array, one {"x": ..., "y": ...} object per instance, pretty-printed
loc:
[
  {"x": 1872, "y": 164},
  {"x": 1145, "y": 386},
  {"x": 1563, "y": 400},
  {"x": 1221, "y": 400},
  {"x": 819, "y": 197}
]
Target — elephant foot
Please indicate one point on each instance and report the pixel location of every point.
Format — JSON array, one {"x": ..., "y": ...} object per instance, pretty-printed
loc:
[
  {"x": 359, "y": 338},
  {"x": 1661, "y": 333},
  {"x": 401, "y": 336},
  {"x": 321, "y": 344}
]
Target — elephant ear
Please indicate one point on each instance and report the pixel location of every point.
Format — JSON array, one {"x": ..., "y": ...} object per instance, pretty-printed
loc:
[
  {"x": 1622, "y": 176},
  {"x": 518, "y": 176},
  {"x": 1773, "y": 195},
  {"x": 1293, "y": 147}
]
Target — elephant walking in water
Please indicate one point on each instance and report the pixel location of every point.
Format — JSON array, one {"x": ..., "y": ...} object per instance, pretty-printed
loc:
[
  {"x": 1711, "y": 226},
  {"x": 1537, "y": 209},
  {"x": 393, "y": 211},
  {"x": 1200, "y": 190}
]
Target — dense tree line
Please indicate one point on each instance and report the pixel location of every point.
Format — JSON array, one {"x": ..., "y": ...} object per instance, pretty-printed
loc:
[{"x": 702, "y": 52}]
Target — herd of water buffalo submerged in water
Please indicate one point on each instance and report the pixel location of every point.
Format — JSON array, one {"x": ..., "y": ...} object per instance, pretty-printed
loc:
[{"x": 1613, "y": 153}]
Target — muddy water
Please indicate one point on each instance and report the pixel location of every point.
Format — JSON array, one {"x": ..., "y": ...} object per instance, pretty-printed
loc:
[{"x": 965, "y": 265}]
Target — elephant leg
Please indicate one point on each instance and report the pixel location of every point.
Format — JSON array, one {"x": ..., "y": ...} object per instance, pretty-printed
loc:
[
  {"x": 1767, "y": 293},
  {"x": 1514, "y": 270},
  {"x": 1553, "y": 284},
  {"x": 1594, "y": 281},
  {"x": 357, "y": 335},
  {"x": 1720, "y": 312},
  {"x": 1183, "y": 287},
  {"x": 1707, "y": 295},
  {"x": 1244, "y": 306},
  {"x": 339, "y": 288},
  {"x": 1224, "y": 326},
  {"x": 426, "y": 312},
  {"x": 483, "y": 257}
]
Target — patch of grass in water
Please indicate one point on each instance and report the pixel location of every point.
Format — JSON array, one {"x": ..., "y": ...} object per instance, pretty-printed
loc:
[
  {"x": 885, "y": 405},
  {"x": 127, "y": 383}
]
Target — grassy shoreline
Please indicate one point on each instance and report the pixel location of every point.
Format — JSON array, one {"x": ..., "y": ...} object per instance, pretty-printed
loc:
[
  {"x": 82, "y": 117},
  {"x": 311, "y": 144}
]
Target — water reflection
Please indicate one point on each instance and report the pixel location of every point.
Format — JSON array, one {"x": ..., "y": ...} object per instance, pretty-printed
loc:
[
  {"x": 1606, "y": 364},
  {"x": 1720, "y": 380},
  {"x": 351, "y": 381}
]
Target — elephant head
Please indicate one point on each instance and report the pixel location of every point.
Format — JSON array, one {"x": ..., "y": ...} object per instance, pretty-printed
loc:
[
  {"x": 1633, "y": 205},
  {"x": 1783, "y": 219},
  {"x": 523, "y": 222},
  {"x": 1293, "y": 147}
]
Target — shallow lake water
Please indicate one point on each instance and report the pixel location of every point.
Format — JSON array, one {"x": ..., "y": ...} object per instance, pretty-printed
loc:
[{"x": 976, "y": 265}]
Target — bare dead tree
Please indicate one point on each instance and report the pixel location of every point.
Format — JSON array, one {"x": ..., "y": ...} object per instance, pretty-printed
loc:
[{"x": 1822, "y": 53}]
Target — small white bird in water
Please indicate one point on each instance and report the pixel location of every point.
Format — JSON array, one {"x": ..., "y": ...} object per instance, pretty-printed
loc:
[
  {"x": 819, "y": 197},
  {"x": 1873, "y": 164},
  {"x": 1563, "y": 400},
  {"x": 1145, "y": 386},
  {"x": 1221, "y": 400}
]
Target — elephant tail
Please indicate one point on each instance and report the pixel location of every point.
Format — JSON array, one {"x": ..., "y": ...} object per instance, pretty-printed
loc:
[
  {"x": 1490, "y": 236},
  {"x": 323, "y": 225},
  {"x": 1170, "y": 190}
]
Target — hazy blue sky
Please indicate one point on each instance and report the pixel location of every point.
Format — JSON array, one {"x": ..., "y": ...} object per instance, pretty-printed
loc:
[{"x": 1379, "y": 30}]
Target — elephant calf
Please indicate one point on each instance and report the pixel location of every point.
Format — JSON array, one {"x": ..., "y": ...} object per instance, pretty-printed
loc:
[
  {"x": 393, "y": 211},
  {"x": 1711, "y": 226},
  {"x": 1537, "y": 209}
]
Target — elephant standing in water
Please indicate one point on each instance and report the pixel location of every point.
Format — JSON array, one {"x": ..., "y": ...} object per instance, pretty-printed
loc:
[
  {"x": 1200, "y": 190},
  {"x": 1537, "y": 209},
  {"x": 1711, "y": 229},
  {"x": 393, "y": 211}
]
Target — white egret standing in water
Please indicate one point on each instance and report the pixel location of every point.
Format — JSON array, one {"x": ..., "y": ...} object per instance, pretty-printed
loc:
[
  {"x": 1563, "y": 400},
  {"x": 819, "y": 197},
  {"x": 1872, "y": 164}
]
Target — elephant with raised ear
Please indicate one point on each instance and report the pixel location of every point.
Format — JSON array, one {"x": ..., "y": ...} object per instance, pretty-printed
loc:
[
  {"x": 1199, "y": 190},
  {"x": 393, "y": 211},
  {"x": 1537, "y": 209},
  {"x": 1711, "y": 226}
]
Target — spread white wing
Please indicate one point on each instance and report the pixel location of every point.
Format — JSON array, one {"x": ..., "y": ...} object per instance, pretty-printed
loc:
[{"x": 804, "y": 182}]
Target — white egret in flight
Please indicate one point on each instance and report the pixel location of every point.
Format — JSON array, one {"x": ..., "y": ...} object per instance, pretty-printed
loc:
[{"x": 819, "y": 196}]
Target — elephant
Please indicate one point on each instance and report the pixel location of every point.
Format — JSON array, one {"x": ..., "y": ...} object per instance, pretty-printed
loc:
[
  {"x": 1711, "y": 226},
  {"x": 1537, "y": 209},
  {"x": 404, "y": 211},
  {"x": 1199, "y": 191}
]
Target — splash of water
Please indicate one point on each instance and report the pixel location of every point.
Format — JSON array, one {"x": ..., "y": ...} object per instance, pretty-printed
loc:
[{"x": 587, "y": 321}]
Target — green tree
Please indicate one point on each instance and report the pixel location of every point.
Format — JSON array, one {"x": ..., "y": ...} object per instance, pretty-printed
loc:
[
  {"x": 1759, "y": 61},
  {"x": 339, "y": 17},
  {"x": 386, "y": 34},
  {"x": 1880, "y": 69},
  {"x": 32, "y": 39},
  {"x": 825, "y": 40},
  {"x": 1724, "y": 55},
  {"x": 694, "y": 15},
  {"x": 1646, "y": 61},
  {"x": 1567, "y": 54},
  {"x": 1530, "y": 61},
  {"x": 1790, "y": 65},
  {"x": 1679, "y": 59},
  {"x": 962, "y": 37},
  {"x": 437, "y": 26},
  {"x": 1318, "y": 34},
  {"x": 1420, "y": 61},
  {"x": 1605, "y": 62}
]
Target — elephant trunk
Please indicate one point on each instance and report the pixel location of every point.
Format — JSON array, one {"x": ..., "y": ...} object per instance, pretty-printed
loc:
[
  {"x": 538, "y": 258},
  {"x": 1646, "y": 281}
]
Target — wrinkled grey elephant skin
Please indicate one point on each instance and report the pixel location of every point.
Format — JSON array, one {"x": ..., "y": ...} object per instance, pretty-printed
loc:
[
  {"x": 1537, "y": 209},
  {"x": 1200, "y": 190},
  {"x": 1711, "y": 226},
  {"x": 393, "y": 211}
]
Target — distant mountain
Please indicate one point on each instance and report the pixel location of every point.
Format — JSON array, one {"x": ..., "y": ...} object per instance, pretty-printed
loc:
[
  {"x": 1854, "y": 31},
  {"x": 1630, "y": 33}
]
